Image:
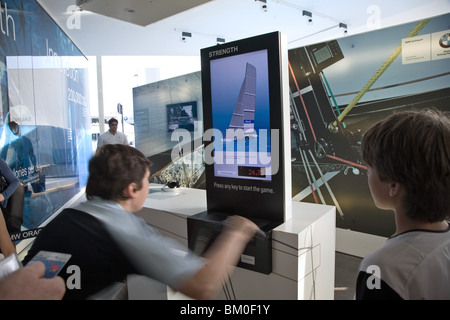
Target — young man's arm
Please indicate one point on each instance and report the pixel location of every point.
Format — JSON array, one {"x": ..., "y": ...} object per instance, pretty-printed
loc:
[{"x": 223, "y": 255}]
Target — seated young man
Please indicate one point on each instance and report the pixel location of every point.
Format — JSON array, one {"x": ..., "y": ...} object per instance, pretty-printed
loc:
[{"x": 108, "y": 242}]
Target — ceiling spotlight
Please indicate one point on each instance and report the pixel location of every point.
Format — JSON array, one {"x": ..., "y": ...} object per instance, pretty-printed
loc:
[
  {"x": 343, "y": 26},
  {"x": 185, "y": 36},
  {"x": 220, "y": 40},
  {"x": 263, "y": 4},
  {"x": 309, "y": 16}
]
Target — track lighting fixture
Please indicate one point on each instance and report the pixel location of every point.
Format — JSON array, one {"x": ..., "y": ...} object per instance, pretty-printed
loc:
[
  {"x": 263, "y": 4},
  {"x": 343, "y": 26},
  {"x": 308, "y": 14},
  {"x": 185, "y": 36}
]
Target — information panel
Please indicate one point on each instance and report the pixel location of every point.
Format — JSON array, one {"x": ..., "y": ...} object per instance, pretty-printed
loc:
[{"x": 246, "y": 123}]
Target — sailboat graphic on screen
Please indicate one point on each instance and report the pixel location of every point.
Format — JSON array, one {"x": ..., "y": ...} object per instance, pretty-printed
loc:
[{"x": 243, "y": 117}]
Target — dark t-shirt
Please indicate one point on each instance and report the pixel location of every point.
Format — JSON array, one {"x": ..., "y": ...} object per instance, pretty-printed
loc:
[{"x": 100, "y": 260}]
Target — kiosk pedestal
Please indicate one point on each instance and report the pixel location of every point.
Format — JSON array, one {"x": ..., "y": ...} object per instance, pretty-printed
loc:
[
  {"x": 303, "y": 249},
  {"x": 204, "y": 227}
]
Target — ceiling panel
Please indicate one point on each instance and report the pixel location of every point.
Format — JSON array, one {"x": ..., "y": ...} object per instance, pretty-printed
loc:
[
  {"x": 140, "y": 12},
  {"x": 123, "y": 27}
]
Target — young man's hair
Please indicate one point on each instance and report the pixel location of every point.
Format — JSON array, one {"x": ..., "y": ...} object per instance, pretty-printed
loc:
[
  {"x": 413, "y": 149},
  {"x": 110, "y": 121},
  {"x": 113, "y": 168}
]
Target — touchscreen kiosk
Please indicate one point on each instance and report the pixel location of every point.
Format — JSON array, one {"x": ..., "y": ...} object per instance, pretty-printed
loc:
[{"x": 247, "y": 142}]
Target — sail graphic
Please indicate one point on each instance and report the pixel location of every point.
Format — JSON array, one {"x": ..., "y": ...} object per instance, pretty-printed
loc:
[{"x": 244, "y": 112}]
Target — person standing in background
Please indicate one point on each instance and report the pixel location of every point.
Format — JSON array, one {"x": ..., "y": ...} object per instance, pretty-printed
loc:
[{"x": 112, "y": 136}]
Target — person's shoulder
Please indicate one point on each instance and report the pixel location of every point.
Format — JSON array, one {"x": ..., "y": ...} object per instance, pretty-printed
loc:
[
  {"x": 410, "y": 246},
  {"x": 68, "y": 216},
  {"x": 381, "y": 256}
]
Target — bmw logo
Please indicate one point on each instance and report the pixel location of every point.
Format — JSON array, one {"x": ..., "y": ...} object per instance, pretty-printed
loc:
[{"x": 444, "y": 41}]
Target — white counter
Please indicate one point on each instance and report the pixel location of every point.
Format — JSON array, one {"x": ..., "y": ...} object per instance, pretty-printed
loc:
[{"x": 303, "y": 248}]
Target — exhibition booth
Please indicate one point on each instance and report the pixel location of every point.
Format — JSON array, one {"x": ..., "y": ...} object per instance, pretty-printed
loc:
[
  {"x": 263, "y": 131},
  {"x": 337, "y": 90},
  {"x": 302, "y": 251}
]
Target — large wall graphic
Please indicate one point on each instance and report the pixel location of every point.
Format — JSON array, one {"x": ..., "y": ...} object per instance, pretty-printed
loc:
[
  {"x": 359, "y": 80},
  {"x": 338, "y": 89},
  {"x": 45, "y": 119},
  {"x": 157, "y": 109}
]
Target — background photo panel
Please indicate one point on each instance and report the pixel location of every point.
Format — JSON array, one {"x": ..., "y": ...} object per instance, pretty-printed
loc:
[
  {"x": 342, "y": 87},
  {"x": 45, "y": 123}
]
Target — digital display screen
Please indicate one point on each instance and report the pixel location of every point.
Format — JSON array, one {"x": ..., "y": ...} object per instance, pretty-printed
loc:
[
  {"x": 252, "y": 172},
  {"x": 181, "y": 116},
  {"x": 241, "y": 115},
  {"x": 245, "y": 96}
]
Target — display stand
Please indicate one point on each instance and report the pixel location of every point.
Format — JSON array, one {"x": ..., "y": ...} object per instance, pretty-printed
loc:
[{"x": 303, "y": 250}]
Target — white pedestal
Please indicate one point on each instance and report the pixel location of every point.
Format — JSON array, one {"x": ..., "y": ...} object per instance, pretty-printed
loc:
[{"x": 303, "y": 248}]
